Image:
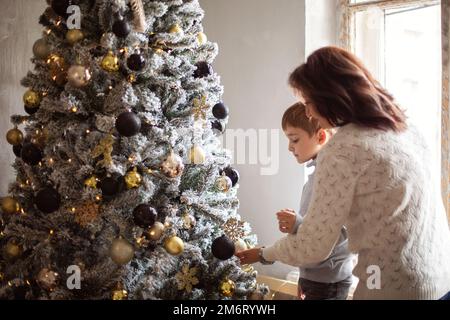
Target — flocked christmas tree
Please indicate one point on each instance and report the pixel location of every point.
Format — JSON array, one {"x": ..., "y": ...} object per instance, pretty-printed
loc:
[{"x": 121, "y": 177}]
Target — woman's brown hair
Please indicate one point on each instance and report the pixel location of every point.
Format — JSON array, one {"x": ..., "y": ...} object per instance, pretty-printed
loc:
[{"x": 343, "y": 91}]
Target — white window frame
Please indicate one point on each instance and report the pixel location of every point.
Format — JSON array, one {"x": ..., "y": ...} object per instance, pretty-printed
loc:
[{"x": 349, "y": 10}]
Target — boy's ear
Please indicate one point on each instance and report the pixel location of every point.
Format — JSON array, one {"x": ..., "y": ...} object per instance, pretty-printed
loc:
[{"x": 322, "y": 135}]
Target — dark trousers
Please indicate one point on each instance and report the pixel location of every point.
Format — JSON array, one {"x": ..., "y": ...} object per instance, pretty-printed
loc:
[{"x": 312, "y": 290}]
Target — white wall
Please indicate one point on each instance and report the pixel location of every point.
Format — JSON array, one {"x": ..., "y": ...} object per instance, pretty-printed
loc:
[
  {"x": 260, "y": 42},
  {"x": 322, "y": 24},
  {"x": 19, "y": 29}
]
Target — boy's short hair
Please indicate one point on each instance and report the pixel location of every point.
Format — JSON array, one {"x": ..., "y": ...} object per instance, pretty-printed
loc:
[{"x": 295, "y": 116}]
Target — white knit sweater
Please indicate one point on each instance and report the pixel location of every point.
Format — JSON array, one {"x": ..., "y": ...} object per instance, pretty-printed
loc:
[{"x": 379, "y": 185}]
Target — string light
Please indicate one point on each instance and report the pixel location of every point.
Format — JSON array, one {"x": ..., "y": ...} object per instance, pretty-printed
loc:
[
  {"x": 70, "y": 160},
  {"x": 74, "y": 109},
  {"x": 73, "y": 209},
  {"x": 98, "y": 198},
  {"x": 88, "y": 131},
  {"x": 51, "y": 232}
]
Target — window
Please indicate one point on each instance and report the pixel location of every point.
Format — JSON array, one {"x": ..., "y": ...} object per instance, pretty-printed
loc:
[{"x": 400, "y": 42}]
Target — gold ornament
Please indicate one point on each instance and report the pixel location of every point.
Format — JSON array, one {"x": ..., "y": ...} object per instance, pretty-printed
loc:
[
  {"x": 32, "y": 99},
  {"x": 234, "y": 229},
  {"x": 10, "y": 205},
  {"x": 223, "y": 183},
  {"x": 200, "y": 108},
  {"x": 87, "y": 213},
  {"x": 197, "y": 155},
  {"x": 41, "y": 49},
  {"x": 175, "y": 29},
  {"x": 174, "y": 245},
  {"x": 58, "y": 69},
  {"x": 12, "y": 250},
  {"x": 186, "y": 278},
  {"x": 110, "y": 62},
  {"x": 78, "y": 76},
  {"x": 131, "y": 78},
  {"x": 74, "y": 35},
  {"x": 56, "y": 62},
  {"x": 240, "y": 245},
  {"x": 227, "y": 288},
  {"x": 188, "y": 221},
  {"x": 173, "y": 166},
  {"x": 156, "y": 231},
  {"x": 104, "y": 148},
  {"x": 91, "y": 182},
  {"x": 133, "y": 179},
  {"x": 119, "y": 293},
  {"x": 121, "y": 251},
  {"x": 47, "y": 279},
  {"x": 201, "y": 38},
  {"x": 14, "y": 137}
]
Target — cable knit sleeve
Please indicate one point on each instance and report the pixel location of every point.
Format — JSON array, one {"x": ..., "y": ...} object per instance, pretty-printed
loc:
[{"x": 333, "y": 191}]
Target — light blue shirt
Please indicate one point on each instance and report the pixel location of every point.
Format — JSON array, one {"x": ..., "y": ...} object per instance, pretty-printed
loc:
[{"x": 339, "y": 265}]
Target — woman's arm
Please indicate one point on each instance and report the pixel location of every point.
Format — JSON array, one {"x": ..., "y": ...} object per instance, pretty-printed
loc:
[{"x": 332, "y": 198}]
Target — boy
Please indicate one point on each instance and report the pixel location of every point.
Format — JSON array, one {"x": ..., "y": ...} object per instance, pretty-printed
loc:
[{"x": 330, "y": 279}]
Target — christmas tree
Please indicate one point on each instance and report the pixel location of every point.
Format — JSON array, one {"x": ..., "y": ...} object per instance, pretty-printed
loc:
[{"x": 123, "y": 189}]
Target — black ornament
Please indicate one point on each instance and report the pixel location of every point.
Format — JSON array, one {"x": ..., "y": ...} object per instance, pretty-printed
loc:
[
  {"x": 31, "y": 154},
  {"x": 17, "y": 149},
  {"x": 30, "y": 111},
  {"x": 136, "y": 62},
  {"x": 110, "y": 186},
  {"x": 233, "y": 174},
  {"x": 47, "y": 200},
  {"x": 217, "y": 126},
  {"x": 60, "y": 7},
  {"x": 223, "y": 248},
  {"x": 220, "y": 111},
  {"x": 121, "y": 28},
  {"x": 145, "y": 215},
  {"x": 204, "y": 69},
  {"x": 128, "y": 124}
]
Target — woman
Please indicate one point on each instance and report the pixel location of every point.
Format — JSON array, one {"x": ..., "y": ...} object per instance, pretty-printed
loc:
[{"x": 373, "y": 177}]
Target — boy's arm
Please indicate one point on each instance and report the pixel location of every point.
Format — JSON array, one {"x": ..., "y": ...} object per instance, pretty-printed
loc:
[{"x": 333, "y": 191}]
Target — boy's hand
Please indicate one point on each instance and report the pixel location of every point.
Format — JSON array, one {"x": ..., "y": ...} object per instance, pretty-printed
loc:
[
  {"x": 249, "y": 256},
  {"x": 286, "y": 220}
]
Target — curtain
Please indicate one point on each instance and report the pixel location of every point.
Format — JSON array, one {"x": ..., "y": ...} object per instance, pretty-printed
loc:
[{"x": 445, "y": 5}]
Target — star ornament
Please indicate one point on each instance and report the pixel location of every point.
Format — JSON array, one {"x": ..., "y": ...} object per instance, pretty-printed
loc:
[
  {"x": 187, "y": 278},
  {"x": 234, "y": 229},
  {"x": 200, "y": 108}
]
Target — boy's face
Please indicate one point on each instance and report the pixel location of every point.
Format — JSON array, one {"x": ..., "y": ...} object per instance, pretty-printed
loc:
[{"x": 302, "y": 146}]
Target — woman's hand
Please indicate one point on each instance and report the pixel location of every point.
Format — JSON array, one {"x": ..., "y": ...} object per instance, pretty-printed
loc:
[
  {"x": 286, "y": 220},
  {"x": 249, "y": 256}
]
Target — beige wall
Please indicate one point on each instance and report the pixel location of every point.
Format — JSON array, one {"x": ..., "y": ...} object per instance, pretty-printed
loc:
[{"x": 19, "y": 28}]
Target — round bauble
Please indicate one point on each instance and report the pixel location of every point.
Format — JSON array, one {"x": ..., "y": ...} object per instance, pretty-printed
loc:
[
  {"x": 223, "y": 248},
  {"x": 47, "y": 200},
  {"x": 31, "y": 154},
  {"x": 128, "y": 124},
  {"x": 144, "y": 215},
  {"x": 136, "y": 62},
  {"x": 220, "y": 111},
  {"x": 74, "y": 35},
  {"x": 41, "y": 49},
  {"x": 14, "y": 137},
  {"x": 121, "y": 28},
  {"x": 121, "y": 251},
  {"x": 174, "y": 245},
  {"x": 78, "y": 76}
]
